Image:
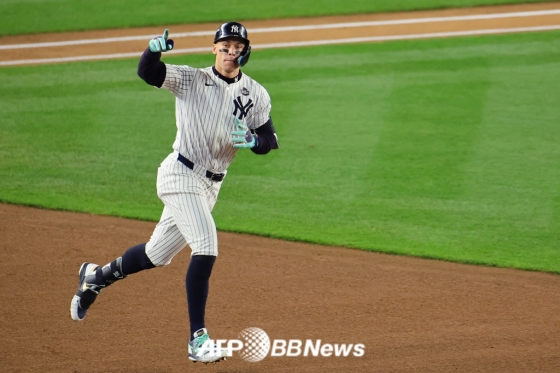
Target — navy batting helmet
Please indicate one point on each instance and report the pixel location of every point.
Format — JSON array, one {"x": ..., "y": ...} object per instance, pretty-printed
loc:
[{"x": 235, "y": 29}]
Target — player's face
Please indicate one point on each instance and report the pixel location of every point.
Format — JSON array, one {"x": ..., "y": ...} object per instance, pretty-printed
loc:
[{"x": 227, "y": 52}]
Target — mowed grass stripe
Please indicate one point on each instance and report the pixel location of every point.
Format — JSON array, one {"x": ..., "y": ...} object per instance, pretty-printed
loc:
[{"x": 437, "y": 148}]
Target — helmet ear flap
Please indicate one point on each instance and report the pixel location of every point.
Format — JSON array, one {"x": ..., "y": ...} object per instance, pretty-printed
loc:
[{"x": 245, "y": 54}]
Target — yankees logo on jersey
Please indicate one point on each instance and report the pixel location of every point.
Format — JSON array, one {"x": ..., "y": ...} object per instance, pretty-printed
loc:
[
  {"x": 243, "y": 109},
  {"x": 205, "y": 110}
]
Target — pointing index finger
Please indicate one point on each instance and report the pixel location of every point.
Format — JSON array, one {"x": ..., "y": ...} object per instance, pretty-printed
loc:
[{"x": 166, "y": 34}]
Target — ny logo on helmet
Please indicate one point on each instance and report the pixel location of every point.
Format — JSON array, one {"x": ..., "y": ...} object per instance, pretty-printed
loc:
[{"x": 235, "y": 28}]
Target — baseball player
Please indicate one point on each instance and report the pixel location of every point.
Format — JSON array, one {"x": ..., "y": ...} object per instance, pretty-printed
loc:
[{"x": 219, "y": 111}]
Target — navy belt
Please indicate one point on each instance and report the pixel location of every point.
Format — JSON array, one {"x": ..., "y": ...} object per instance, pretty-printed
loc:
[{"x": 212, "y": 176}]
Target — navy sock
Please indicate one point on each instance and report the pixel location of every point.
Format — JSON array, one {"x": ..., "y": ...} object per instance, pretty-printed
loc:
[
  {"x": 135, "y": 260},
  {"x": 198, "y": 276}
]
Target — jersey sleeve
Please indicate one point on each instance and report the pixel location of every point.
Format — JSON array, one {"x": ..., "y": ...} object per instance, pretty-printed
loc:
[
  {"x": 178, "y": 78},
  {"x": 261, "y": 112}
]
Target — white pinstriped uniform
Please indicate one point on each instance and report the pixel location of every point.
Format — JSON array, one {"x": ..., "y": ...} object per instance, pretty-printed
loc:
[{"x": 204, "y": 110}]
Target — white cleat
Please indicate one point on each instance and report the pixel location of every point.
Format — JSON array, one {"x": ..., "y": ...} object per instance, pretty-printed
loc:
[{"x": 205, "y": 355}]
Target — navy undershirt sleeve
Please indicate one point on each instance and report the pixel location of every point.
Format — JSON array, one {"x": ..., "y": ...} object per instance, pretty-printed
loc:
[
  {"x": 151, "y": 69},
  {"x": 266, "y": 138}
]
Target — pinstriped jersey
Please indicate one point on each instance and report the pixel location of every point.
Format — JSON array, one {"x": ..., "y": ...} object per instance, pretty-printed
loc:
[{"x": 205, "y": 108}]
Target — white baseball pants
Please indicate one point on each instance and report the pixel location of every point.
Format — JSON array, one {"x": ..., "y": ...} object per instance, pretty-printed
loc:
[{"x": 187, "y": 218}]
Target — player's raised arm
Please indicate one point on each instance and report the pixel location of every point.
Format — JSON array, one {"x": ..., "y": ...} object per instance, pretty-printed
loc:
[{"x": 150, "y": 68}]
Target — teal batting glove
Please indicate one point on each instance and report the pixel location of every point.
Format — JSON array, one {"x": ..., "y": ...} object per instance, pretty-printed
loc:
[
  {"x": 242, "y": 138},
  {"x": 161, "y": 44}
]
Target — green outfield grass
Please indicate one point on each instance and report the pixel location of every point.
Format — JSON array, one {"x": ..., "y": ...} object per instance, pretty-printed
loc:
[
  {"x": 34, "y": 16},
  {"x": 437, "y": 148}
]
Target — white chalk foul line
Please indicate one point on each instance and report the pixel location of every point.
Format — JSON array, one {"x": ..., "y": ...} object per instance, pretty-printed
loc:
[
  {"x": 408, "y": 37},
  {"x": 294, "y": 44},
  {"x": 291, "y": 28}
]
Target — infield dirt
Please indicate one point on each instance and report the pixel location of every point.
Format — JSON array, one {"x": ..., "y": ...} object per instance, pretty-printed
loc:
[{"x": 412, "y": 315}]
